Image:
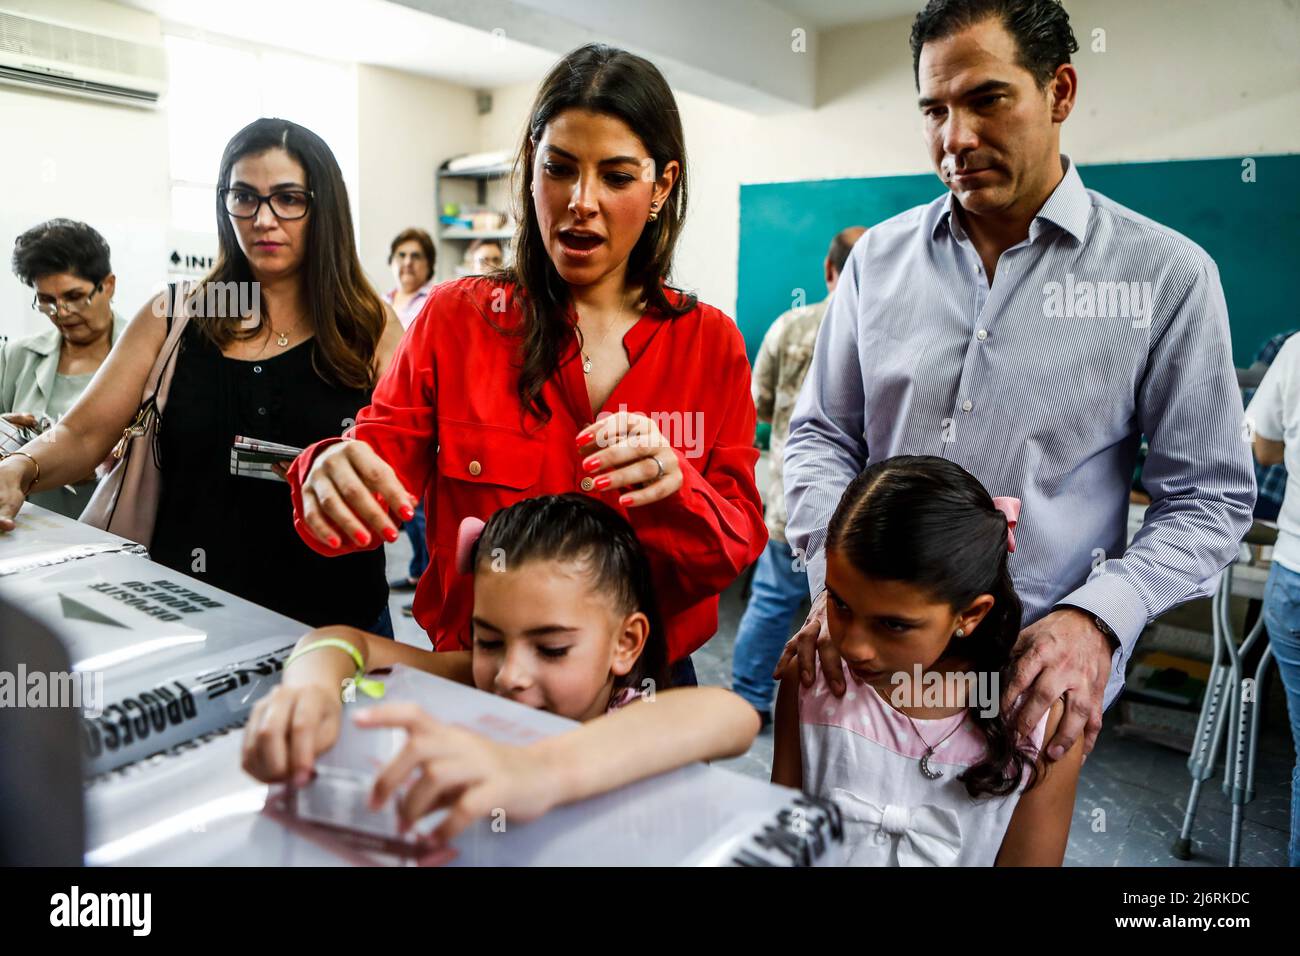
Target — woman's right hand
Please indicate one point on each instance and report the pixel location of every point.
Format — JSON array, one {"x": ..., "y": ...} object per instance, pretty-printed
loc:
[
  {"x": 350, "y": 492},
  {"x": 22, "y": 420},
  {"x": 288, "y": 729}
]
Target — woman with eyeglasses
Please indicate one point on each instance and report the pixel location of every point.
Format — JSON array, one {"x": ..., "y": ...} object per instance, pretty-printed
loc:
[
  {"x": 42, "y": 376},
  {"x": 287, "y": 352}
]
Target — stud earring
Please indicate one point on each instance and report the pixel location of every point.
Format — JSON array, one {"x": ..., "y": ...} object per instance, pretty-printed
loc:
[{"x": 961, "y": 632}]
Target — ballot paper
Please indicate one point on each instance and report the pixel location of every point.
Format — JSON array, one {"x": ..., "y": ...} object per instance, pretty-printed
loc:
[
  {"x": 14, "y": 437},
  {"x": 192, "y": 805},
  {"x": 43, "y": 538},
  {"x": 254, "y": 458},
  {"x": 178, "y": 657},
  {"x": 338, "y": 796}
]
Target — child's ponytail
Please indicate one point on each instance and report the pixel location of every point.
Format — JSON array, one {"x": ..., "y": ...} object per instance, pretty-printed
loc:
[{"x": 1006, "y": 761}]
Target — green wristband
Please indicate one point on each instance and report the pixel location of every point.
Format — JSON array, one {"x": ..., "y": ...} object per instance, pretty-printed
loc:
[{"x": 369, "y": 686}]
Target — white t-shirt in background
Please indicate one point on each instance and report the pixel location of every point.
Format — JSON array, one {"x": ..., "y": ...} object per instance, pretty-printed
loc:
[{"x": 1275, "y": 412}]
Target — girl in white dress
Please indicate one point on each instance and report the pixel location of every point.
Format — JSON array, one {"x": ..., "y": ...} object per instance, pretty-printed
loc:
[{"x": 921, "y": 608}]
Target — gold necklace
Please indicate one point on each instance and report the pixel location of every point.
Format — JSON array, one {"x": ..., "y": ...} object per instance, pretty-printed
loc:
[
  {"x": 281, "y": 338},
  {"x": 586, "y": 356}
]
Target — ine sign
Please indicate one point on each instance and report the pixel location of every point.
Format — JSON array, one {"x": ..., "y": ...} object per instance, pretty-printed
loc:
[{"x": 191, "y": 255}]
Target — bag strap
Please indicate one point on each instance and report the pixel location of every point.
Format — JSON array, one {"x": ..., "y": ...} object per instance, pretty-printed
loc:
[{"x": 160, "y": 375}]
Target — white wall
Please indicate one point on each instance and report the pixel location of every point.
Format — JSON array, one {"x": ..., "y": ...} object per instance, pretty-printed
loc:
[
  {"x": 108, "y": 166},
  {"x": 407, "y": 125},
  {"x": 103, "y": 164}
]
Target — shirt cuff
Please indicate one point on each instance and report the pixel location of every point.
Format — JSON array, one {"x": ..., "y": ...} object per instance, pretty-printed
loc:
[{"x": 816, "y": 569}]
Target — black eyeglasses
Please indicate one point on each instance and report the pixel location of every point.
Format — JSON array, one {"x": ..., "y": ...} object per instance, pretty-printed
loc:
[
  {"x": 286, "y": 204},
  {"x": 71, "y": 304}
]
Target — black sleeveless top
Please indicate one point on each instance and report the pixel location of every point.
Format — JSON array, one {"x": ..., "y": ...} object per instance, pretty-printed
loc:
[{"x": 244, "y": 525}]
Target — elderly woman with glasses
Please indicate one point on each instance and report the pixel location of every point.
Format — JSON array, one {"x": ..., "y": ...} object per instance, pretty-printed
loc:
[{"x": 42, "y": 375}]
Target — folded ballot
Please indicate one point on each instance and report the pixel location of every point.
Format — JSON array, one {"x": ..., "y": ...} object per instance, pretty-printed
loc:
[
  {"x": 42, "y": 538},
  {"x": 256, "y": 458},
  {"x": 193, "y": 805},
  {"x": 171, "y": 656}
]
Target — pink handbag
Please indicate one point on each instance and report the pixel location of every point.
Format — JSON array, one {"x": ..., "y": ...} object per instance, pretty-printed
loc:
[{"x": 126, "y": 500}]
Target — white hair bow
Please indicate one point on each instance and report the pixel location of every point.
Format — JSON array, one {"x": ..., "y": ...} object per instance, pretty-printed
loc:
[{"x": 927, "y": 835}]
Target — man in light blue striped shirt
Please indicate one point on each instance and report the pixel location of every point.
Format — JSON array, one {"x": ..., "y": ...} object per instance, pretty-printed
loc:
[{"x": 1031, "y": 331}]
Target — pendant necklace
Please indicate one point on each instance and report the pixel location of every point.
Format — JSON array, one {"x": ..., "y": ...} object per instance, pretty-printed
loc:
[
  {"x": 586, "y": 356},
  {"x": 926, "y": 770}
]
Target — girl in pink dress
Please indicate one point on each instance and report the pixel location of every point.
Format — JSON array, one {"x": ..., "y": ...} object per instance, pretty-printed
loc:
[{"x": 920, "y": 605}]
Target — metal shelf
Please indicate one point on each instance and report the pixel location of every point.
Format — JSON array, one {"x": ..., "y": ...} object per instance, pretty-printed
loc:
[
  {"x": 480, "y": 176},
  {"x": 470, "y": 234}
]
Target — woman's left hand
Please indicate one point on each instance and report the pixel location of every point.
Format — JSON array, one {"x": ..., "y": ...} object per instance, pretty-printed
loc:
[
  {"x": 466, "y": 773},
  {"x": 627, "y": 450}
]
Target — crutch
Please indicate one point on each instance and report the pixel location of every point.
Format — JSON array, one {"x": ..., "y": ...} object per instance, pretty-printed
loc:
[{"x": 1211, "y": 723}]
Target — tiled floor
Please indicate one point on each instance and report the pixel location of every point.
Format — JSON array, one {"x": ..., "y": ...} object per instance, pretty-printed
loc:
[{"x": 1132, "y": 794}]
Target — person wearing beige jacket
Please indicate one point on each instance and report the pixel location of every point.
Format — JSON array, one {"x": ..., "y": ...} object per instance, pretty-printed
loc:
[{"x": 43, "y": 375}]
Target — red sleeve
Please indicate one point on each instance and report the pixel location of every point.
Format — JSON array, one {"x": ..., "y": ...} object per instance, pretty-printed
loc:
[
  {"x": 712, "y": 528},
  {"x": 400, "y": 422}
]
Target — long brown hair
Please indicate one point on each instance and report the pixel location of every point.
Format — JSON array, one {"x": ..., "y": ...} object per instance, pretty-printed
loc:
[
  {"x": 346, "y": 314},
  {"x": 615, "y": 83}
]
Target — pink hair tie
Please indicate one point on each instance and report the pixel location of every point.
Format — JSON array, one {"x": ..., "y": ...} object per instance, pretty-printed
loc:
[
  {"x": 1011, "y": 508},
  {"x": 467, "y": 536}
]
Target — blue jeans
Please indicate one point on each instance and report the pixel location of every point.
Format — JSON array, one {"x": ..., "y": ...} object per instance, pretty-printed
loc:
[
  {"x": 419, "y": 551},
  {"x": 777, "y": 592},
  {"x": 384, "y": 626},
  {"x": 1282, "y": 619}
]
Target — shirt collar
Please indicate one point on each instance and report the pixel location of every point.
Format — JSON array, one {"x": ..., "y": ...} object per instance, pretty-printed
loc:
[
  {"x": 49, "y": 342},
  {"x": 1068, "y": 208},
  {"x": 420, "y": 293},
  {"x": 637, "y": 339}
]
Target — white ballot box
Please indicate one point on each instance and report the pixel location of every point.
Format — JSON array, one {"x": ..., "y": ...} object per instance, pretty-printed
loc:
[
  {"x": 194, "y": 806},
  {"x": 43, "y": 537},
  {"x": 166, "y": 656}
]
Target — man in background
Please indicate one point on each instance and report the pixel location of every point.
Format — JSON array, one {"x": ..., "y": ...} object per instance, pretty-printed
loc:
[{"x": 778, "y": 588}]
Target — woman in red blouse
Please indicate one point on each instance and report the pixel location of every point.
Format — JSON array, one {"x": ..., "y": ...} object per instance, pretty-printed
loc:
[{"x": 578, "y": 369}]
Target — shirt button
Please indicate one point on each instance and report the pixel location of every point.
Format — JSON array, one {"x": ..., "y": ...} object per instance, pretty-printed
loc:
[
  {"x": 966, "y": 405},
  {"x": 982, "y": 334},
  {"x": 475, "y": 468},
  {"x": 257, "y": 370},
  {"x": 588, "y": 484},
  {"x": 261, "y": 411}
]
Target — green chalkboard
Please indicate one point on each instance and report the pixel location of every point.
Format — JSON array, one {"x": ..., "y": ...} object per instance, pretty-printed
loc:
[{"x": 1252, "y": 229}]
